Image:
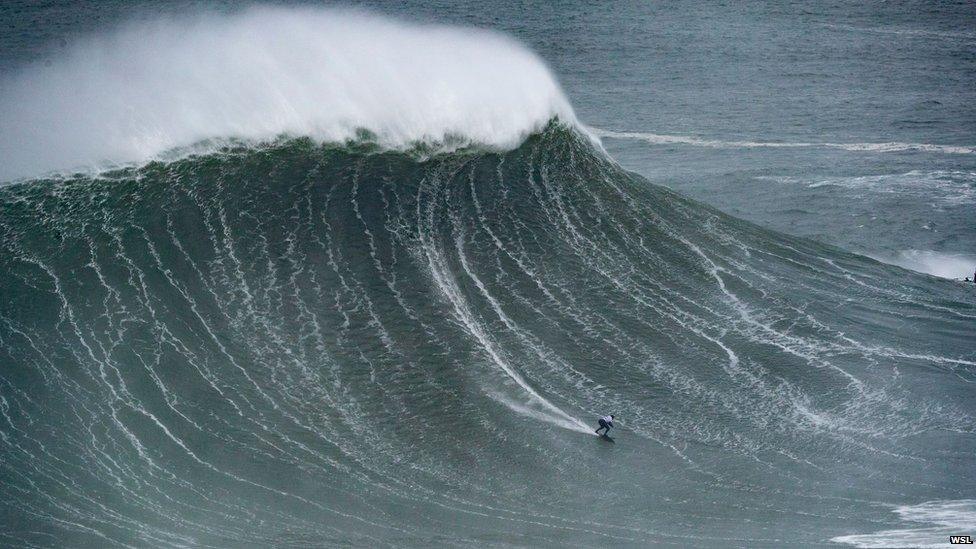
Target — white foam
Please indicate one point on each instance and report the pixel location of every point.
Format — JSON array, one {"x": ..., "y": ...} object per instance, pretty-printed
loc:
[
  {"x": 945, "y": 265},
  {"x": 886, "y": 147},
  {"x": 957, "y": 517},
  {"x": 263, "y": 72}
]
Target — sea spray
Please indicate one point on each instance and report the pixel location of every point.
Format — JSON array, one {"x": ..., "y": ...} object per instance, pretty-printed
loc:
[{"x": 330, "y": 74}]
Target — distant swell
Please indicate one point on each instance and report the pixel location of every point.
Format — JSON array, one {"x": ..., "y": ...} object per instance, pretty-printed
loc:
[
  {"x": 887, "y": 147},
  {"x": 329, "y": 74}
]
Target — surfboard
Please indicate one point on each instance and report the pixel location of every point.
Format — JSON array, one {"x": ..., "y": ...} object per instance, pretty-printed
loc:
[{"x": 608, "y": 439}]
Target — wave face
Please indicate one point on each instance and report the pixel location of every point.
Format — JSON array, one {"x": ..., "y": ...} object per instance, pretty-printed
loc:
[
  {"x": 149, "y": 88},
  {"x": 305, "y": 344}
]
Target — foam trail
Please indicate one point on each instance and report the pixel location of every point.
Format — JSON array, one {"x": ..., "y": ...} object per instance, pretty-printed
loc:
[
  {"x": 264, "y": 72},
  {"x": 662, "y": 139},
  {"x": 546, "y": 411}
]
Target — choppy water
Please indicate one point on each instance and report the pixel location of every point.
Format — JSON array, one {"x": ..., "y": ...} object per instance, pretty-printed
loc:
[{"x": 403, "y": 339}]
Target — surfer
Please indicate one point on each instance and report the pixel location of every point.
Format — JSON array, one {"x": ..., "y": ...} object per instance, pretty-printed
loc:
[{"x": 606, "y": 422}]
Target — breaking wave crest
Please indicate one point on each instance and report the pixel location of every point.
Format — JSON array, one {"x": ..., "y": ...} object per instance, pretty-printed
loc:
[{"x": 329, "y": 74}]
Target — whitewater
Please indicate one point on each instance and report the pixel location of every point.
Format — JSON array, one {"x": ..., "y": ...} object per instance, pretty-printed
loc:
[
  {"x": 316, "y": 277},
  {"x": 152, "y": 88}
]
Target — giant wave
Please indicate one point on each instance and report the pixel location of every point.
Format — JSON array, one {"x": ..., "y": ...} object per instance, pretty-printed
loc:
[{"x": 306, "y": 342}]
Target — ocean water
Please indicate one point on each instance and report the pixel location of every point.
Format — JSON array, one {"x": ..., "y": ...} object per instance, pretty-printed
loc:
[{"x": 304, "y": 275}]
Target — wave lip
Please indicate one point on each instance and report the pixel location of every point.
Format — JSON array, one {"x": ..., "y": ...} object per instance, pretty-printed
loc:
[{"x": 265, "y": 72}]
